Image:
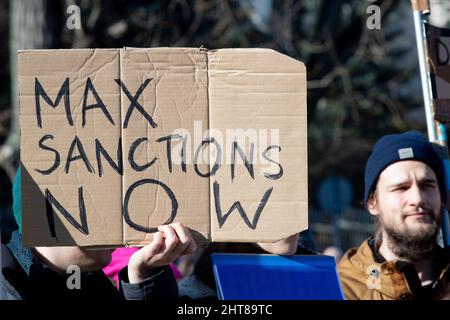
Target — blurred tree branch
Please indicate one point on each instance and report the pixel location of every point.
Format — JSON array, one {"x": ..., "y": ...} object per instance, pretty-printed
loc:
[{"x": 32, "y": 25}]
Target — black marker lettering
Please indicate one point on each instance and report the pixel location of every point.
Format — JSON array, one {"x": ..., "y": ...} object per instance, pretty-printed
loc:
[
  {"x": 51, "y": 200},
  {"x": 273, "y": 176},
  {"x": 133, "y": 163},
  {"x": 76, "y": 142},
  {"x": 134, "y": 103},
  {"x": 183, "y": 154},
  {"x": 98, "y": 102},
  {"x": 57, "y": 157},
  {"x": 168, "y": 148},
  {"x": 221, "y": 219},
  {"x": 130, "y": 190},
  {"x": 40, "y": 92},
  {"x": 218, "y": 158},
  {"x": 248, "y": 164},
  {"x": 99, "y": 149},
  {"x": 440, "y": 61}
]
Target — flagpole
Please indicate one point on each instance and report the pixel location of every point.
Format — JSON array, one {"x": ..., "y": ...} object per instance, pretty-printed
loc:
[
  {"x": 436, "y": 130},
  {"x": 419, "y": 11}
]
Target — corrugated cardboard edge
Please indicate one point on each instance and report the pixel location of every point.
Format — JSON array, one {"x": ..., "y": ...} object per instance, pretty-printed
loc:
[
  {"x": 121, "y": 137},
  {"x": 206, "y": 53}
]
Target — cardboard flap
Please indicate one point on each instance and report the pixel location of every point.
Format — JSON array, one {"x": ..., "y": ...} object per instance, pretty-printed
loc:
[
  {"x": 258, "y": 100},
  {"x": 176, "y": 100},
  {"x": 59, "y": 130}
]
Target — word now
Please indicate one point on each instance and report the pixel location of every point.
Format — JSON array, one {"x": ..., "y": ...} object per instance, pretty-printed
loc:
[{"x": 83, "y": 227}]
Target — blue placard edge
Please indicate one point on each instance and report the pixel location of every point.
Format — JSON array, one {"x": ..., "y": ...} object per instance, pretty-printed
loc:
[{"x": 290, "y": 260}]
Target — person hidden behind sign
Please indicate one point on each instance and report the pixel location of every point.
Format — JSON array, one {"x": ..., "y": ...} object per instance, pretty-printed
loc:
[
  {"x": 43, "y": 272},
  {"x": 405, "y": 192}
]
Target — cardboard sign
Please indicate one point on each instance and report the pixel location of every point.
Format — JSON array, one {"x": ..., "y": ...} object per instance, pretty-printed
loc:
[
  {"x": 438, "y": 41},
  {"x": 115, "y": 142}
]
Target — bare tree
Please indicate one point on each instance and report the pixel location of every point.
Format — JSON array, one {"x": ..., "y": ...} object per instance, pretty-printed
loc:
[{"x": 30, "y": 27}]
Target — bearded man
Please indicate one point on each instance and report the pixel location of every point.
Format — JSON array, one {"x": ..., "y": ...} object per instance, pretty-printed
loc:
[{"x": 405, "y": 192}]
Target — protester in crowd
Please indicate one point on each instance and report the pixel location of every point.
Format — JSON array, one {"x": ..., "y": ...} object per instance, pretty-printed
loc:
[
  {"x": 405, "y": 192},
  {"x": 41, "y": 272}
]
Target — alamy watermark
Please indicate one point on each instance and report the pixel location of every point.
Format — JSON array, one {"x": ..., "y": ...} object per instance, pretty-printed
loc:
[
  {"x": 74, "y": 280},
  {"x": 215, "y": 147},
  {"x": 373, "y": 277},
  {"x": 74, "y": 17}
]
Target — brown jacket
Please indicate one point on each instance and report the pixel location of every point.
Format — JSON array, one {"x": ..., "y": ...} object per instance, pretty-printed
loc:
[{"x": 365, "y": 275}]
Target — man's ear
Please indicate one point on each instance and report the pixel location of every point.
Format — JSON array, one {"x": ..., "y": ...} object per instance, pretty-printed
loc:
[{"x": 372, "y": 206}]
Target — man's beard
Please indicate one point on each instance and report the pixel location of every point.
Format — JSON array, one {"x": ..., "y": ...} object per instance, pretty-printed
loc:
[{"x": 412, "y": 245}]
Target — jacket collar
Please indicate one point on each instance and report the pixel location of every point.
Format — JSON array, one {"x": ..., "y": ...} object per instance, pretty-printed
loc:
[{"x": 370, "y": 257}]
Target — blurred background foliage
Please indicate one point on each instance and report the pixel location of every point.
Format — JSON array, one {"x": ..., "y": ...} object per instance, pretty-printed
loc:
[{"x": 362, "y": 83}]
